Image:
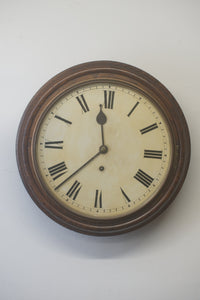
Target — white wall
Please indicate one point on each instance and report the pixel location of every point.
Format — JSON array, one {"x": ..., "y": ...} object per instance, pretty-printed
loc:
[{"x": 39, "y": 259}]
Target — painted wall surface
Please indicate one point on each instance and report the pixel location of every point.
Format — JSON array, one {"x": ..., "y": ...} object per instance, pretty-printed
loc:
[{"x": 39, "y": 259}]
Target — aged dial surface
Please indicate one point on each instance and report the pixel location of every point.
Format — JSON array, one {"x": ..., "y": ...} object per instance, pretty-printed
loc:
[{"x": 103, "y": 150}]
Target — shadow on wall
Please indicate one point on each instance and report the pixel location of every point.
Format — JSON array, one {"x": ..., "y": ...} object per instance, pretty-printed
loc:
[{"x": 82, "y": 246}]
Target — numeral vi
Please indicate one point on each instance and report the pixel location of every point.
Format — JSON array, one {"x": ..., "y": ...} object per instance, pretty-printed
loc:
[{"x": 98, "y": 199}]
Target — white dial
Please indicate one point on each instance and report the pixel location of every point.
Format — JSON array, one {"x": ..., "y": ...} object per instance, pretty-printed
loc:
[{"x": 103, "y": 150}]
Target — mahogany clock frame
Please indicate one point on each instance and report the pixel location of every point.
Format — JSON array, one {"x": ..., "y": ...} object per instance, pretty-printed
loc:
[{"x": 87, "y": 73}]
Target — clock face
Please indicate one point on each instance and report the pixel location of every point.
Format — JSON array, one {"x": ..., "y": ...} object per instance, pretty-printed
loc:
[{"x": 103, "y": 150}]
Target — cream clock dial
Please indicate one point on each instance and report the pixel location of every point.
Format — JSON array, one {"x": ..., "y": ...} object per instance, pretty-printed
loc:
[
  {"x": 103, "y": 148},
  {"x": 126, "y": 165}
]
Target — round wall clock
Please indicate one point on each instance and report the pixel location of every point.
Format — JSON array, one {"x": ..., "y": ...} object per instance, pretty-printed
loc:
[{"x": 103, "y": 148}]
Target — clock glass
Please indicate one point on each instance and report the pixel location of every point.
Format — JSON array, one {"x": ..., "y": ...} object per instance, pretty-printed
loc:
[{"x": 103, "y": 150}]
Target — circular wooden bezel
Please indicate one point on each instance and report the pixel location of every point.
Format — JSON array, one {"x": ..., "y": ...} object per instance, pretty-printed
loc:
[{"x": 87, "y": 73}]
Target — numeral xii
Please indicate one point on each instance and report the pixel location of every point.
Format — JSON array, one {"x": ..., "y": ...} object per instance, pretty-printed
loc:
[{"x": 109, "y": 99}]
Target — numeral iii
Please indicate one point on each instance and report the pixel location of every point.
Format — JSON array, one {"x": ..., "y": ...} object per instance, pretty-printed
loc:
[{"x": 153, "y": 154}]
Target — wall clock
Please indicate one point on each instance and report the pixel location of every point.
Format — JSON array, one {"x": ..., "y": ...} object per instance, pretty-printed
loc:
[{"x": 103, "y": 148}]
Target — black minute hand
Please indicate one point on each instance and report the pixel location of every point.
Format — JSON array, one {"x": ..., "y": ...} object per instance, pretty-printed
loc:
[{"x": 68, "y": 178}]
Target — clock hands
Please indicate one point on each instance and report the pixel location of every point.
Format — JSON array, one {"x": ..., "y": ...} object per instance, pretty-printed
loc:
[
  {"x": 85, "y": 164},
  {"x": 102, "y": 150},
  {"x": 101, "y": 119}
]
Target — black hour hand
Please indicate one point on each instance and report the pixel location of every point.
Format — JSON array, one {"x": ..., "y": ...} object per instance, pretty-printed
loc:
[
  {"x": 101, "y": 120},
  {"x": 101, "y": 117}
]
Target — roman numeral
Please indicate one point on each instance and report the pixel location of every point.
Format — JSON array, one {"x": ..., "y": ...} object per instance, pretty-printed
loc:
[
  {"x": 57, "y": 170},
  {"x": 98, "y": 199},
  {"x": 74, "y": 190},
  {"x": 109, "y": 99},
  {"x": 83, "y": 104},
  {"x": 134, "y": 107},
  {"x": 149, "y": 128},
  {"x": 143, "y": 178},
  {"x": 153, "y": 154},
  {"x": 54, "y": 145},
  {"x": 127, "y": 198},
  {"x": 62, "y": 119}
]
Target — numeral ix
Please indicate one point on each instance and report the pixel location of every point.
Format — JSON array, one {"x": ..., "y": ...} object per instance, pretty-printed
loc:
[{"x": 54, "y": 145}]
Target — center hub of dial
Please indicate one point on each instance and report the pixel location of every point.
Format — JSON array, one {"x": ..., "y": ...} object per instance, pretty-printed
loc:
[{"x": 103, "y": 149}]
